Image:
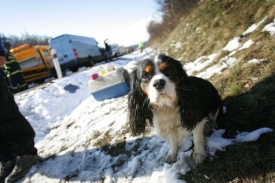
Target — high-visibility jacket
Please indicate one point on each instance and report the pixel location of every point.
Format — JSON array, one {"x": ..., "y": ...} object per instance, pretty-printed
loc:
[
  {"x": 14, "y": 74},
  {"x": 140, "y": 45}
]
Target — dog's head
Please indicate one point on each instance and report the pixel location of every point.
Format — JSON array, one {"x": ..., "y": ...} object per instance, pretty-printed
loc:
[{"x": 159, "y": 82}]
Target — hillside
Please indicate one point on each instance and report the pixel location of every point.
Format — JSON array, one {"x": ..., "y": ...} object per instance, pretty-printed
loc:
[{"x": 238, "y": 38}]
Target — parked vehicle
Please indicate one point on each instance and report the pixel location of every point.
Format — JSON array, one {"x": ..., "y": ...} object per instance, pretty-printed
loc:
[
  {"x": 129, "y": 50},
  {"x": 118, "y": 50},
  {"x": 115, "y": 50},
  {"x": 73, "y": 51},
  {"x": 35, "y": 61},
  {"x": 122, "y": 50}
]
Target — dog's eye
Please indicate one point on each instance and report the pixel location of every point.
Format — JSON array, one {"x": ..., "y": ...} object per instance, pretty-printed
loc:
[
  {"x": 145, "y": 75},
  {"x": 169, "y": 71}
]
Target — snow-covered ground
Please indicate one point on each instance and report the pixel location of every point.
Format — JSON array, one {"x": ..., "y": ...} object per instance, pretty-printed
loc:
[{"x": 70, "y": 124}]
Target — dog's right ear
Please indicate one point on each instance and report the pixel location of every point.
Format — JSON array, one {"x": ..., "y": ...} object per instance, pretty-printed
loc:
[{"x": 138, "y": 107}]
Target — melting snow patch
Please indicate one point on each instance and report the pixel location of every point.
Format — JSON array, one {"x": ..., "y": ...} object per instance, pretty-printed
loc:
[
  {"x": 253, "y": 27},
  {"x": 178, "y": 45},
  {"x": 200, "y": 63},
  {"x": 212, "y": 70},
  {"x": 216, "y": 142},
  {"x": 252, "y": 136},
  {"x": 231, "y": 61},
  {"x": 270, "y": 28},
  {"x": 247, "y": 44},
  {"x": 233, "y": 44},
  {"x": 254, "y": 61}
]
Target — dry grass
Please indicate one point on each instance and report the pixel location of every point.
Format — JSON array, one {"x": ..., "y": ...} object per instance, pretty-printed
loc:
[{"x": 212, "y": 25}]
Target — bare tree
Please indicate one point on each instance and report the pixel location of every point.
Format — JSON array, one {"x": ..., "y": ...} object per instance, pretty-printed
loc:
[
  {"x": 172, "y": 12},
  {"x": 32, "y": 39}
]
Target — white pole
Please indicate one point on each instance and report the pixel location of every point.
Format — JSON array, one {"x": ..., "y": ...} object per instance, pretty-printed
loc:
[{"x": 56, "y": 64}]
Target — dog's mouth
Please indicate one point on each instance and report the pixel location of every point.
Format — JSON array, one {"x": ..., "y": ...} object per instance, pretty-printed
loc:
[
  {"x": 163, "y": 95},
  {"x": 162, "y": 100}
]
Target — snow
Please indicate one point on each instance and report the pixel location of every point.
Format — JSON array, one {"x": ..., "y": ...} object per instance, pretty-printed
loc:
[
  {"x": 247, "y": 44},
  {"x": 270, "y": 28},
  {"x": 177, "y": 45},
  {"x": 71, "y": 125},
  {"x": 233, "y": 44},
  {"x": 252, "y": 136},
  {"x": 253, "y": 61},
  {"x": 253, "y": 27},
  {"x": 200, "y": 63}
]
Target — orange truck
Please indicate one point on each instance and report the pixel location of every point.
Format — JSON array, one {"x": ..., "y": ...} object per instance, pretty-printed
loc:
[{"x": 36, "y": 62}]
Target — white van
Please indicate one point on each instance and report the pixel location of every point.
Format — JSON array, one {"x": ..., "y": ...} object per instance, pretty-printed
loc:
[{"x": 73, "y": 51}]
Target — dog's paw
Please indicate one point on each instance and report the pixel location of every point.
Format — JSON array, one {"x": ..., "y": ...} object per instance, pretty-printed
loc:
[
  {"x": 170, "y": 158},
  {"x": 199, "y": 157}
]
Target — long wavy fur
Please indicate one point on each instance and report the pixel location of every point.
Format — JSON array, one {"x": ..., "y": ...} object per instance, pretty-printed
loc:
[
  {"x": 189, "y": 100},
  {"x": 138, "y": 106}
]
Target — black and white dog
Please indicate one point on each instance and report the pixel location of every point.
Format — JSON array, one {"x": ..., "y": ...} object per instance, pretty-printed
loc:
[{"x": 176, "y": 105}]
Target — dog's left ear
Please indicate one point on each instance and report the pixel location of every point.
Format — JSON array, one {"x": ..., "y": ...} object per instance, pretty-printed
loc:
[
  {"x": 188, "y": 99},
  {"x": 138, "y": 106}
]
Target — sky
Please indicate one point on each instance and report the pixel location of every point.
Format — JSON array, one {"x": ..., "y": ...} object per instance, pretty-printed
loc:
[
  {"x": 69, "y": 122},
  {"x": 123, "y": 22}
]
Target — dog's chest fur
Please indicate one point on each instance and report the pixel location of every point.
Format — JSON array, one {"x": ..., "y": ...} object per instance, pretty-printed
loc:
[{"x": 167, "y": 122}]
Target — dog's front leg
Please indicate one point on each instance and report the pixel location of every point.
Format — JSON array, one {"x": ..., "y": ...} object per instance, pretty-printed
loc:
[
  {"x": 173, "y": 151},
  {"x": 199, "y": 153}
]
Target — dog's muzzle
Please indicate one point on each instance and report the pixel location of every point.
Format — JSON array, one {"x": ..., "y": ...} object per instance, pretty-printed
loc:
[{"x": 159, "y": 84}]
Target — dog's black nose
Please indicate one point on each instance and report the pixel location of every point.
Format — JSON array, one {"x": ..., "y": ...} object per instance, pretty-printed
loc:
[{"x": 159, "y": 84}]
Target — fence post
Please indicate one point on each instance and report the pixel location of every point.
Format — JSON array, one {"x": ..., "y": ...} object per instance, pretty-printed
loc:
[{"x": 56, "y": 64}]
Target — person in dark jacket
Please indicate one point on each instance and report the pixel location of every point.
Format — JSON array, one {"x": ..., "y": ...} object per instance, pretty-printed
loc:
[
  {"x": 14, "y": 74},
  {"x": 5, "y": 74},
  {"x": 108, "y": 49},
  {"x": 17, "y": 150}
]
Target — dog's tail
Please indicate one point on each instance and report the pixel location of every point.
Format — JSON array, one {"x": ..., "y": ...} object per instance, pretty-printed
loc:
[
  {"x": 217, "y": 115},
  {"x": 214, "y": 118}
]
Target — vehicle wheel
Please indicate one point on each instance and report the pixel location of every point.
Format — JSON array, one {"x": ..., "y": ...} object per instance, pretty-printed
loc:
[
  {"x": 74, "y": 68},
  {"x": 106, "y": 58},
  {"x": 91, "y": 61}
]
